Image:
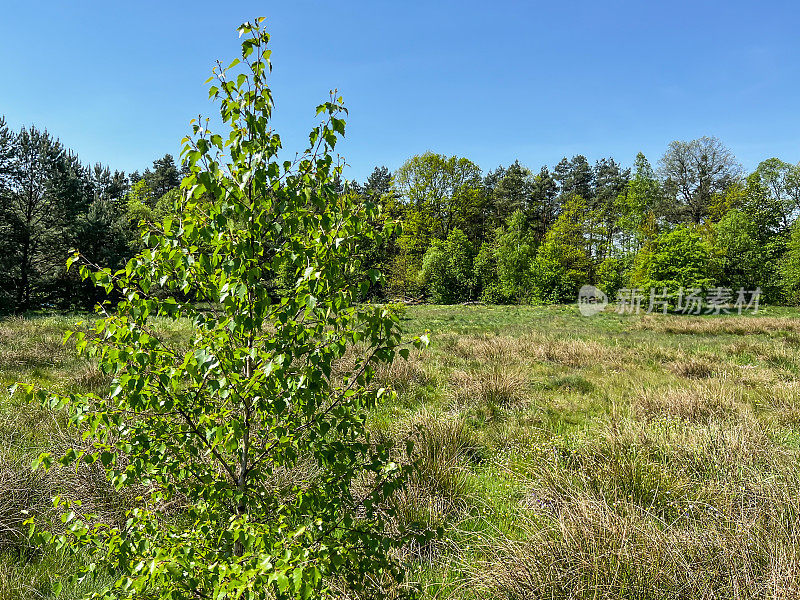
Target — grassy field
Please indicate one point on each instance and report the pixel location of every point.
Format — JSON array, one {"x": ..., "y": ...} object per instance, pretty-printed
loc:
[{"x": 565, "y": 457}]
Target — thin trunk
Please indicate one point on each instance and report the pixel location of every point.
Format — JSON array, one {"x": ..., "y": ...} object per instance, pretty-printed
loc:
[{"x": 23, "y": 297}]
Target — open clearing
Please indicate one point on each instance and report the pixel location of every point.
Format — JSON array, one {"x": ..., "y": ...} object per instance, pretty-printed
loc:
[{"x": 564, "y": 457}]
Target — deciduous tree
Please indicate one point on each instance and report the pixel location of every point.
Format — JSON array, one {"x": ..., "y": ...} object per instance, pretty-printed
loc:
[
  {"x": 442, "y": 193},
  {"x": 678, "y": 258},
  {"x": 561, "y": 266},
  {"x": 222, "y": 427},
  {"x": 447, "y": 269},
  {"x": 693, "y": 172}
]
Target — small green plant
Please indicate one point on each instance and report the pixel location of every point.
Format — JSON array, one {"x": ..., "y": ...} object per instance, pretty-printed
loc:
[{"x": 282, "y": 492}]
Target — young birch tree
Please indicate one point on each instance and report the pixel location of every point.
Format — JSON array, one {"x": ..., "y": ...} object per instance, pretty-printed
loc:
[{"x": 223, "y": 427}]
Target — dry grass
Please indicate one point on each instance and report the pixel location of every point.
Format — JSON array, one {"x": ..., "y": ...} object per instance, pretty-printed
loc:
[
  {"x": 23, "y": 489},
  {"x": 405, "y": 374},
  {"x": 508, "y": 350},
  {"x": 88, "y": 377},
  {"x": 698, "y": 401},
  {"x": 571, "y": 352},
  {"x": 681, "y": 512},
  {"x": 496, "y": 386},
  {"x": 717, "y": 326},
  {"x": 37, "y": 349},
  {"x": 781, "y": 400},
  {"x": 774, "y": 353},
  {"x": 693, "y": 368},
  {"x": 26, "y": 490},
  {"x": 440, "y": 489},
  {"x": 590, "y": 550},
  {"x": 402, "y": 375},
  {"x": 487, "y": 348}
]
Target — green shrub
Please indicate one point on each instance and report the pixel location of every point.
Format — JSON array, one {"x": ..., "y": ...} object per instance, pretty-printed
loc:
[
  {"x": 447, "y": 269},
  {"x": 677, "y": 258}
]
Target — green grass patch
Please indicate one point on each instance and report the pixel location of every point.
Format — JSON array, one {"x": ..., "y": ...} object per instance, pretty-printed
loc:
[{"x": 626, "y": 456}]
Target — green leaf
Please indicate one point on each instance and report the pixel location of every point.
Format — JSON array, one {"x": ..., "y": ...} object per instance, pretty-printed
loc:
[{"x": 44, "y": 460}]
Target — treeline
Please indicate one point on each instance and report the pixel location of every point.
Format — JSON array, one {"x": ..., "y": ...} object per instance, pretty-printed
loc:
[
  {"x": 518, "y": 235},
  {"x": 51, "y": 203},
  {"x": 512, "y": 235}
]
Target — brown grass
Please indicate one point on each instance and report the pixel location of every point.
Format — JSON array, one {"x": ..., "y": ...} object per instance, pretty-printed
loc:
[
  {"x": 487, "y": 348},
  {"x": 439, "y": 490},
  {"x": 496, "y": 386},
  {"x": 781, "y": 400},
  {"x": 689, "y": 401},
  {"x": 774, "y": 353},
  {"x": 681, "y": 512},
  {"x": 23, "y": 489},
  {"x": 692, "y": 368},
  {"x": 88, "y": 377},
  {"x": 717, "y": 326},
  {"x": 591, "y": 550},
  {"x": 572, "y": 352},
  {"x": 405, "y": 374}
]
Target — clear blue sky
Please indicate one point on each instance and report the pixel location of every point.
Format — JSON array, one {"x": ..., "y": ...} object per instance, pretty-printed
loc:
[{"x": 492, "y": 81}]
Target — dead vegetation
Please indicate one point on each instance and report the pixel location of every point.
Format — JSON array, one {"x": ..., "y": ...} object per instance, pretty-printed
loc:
[
  {"x": 740, "y": 325},
  {"x": 500, "y": 386},
  {"x": 571, "y": 352},
  {"x": 696, "y": 401}
]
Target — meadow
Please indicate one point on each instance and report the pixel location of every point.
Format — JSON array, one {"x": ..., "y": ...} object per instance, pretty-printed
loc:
[{"x": 617, "y": 456}]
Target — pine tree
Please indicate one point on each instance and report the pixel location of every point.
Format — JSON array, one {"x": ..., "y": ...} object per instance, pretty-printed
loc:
[
  {"x": 513, "y": 192},
  {"x": 47, "y": 193},
  {"x": 7, "y": 240}
]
